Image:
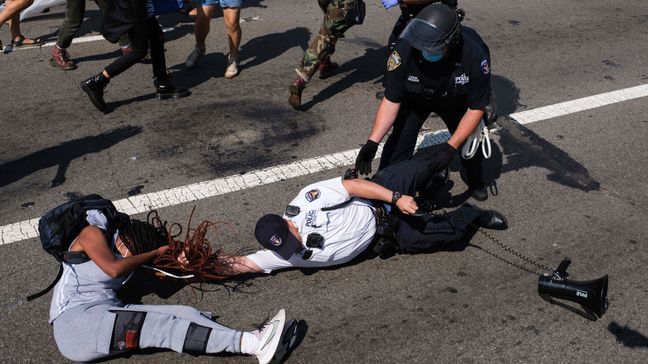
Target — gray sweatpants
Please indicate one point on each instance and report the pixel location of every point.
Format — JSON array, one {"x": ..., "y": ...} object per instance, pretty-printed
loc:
[{"x": 84, "y": 333}]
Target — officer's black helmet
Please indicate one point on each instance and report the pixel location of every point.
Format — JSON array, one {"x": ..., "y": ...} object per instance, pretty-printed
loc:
[{"x": 435, "y": 28}]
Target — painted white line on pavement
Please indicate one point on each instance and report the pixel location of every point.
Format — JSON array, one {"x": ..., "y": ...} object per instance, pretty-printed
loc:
[
  {"x": 27, "y": 229},
  {"x": 585, "y": 103},
  {"x": 86, "y": 39}
]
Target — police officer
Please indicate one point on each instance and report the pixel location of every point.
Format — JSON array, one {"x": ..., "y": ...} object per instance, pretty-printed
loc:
[
  {"x": 437, "y": 66},
  {"x": 332, "y": 221}
]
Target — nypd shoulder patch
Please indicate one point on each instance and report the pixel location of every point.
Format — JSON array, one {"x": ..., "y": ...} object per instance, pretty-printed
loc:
[
  {"x": 393, "y": 61},
  {"x": 485, "y": 66}
]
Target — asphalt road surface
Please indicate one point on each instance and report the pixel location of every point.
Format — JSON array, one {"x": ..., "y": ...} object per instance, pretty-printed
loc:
[{"x": 571, "y": 185}]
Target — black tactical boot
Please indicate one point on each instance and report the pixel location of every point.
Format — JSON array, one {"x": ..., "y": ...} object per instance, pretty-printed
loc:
[
  {"x": 94, "y": 88},
  {"x": 166, "y": 90}
]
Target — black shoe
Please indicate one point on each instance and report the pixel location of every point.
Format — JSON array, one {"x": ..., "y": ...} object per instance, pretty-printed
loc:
[
  {"x": 479, "y": 193},
  {"x": 165, "y": 90},
  {"x": 438, "y": 180},
  {"x": 385, "y": 247},
  {"x": 94, "y": 88},
  {"x": 489, "y": 219}
]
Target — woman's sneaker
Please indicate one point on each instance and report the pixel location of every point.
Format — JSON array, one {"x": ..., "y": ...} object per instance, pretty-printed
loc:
[
  {"x": 232, "y": 68},
  {"x": 269, "y": 336},
  {"x": 194, "y": 56}
]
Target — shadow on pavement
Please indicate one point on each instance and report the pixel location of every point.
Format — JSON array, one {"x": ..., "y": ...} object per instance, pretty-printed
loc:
[
  {"x": 628, "y": 337},
  {"x": 258, "y": 50},
  {"x": 62, "y": 155}
]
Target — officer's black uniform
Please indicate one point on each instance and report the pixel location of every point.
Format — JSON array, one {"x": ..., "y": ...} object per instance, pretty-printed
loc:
[{"x": 459, "y": 81}]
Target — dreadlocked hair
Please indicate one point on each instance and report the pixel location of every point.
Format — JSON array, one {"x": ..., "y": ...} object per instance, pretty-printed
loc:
[
  {"x": 195, "y": 254},
  {"x": 145, "y": 236}
]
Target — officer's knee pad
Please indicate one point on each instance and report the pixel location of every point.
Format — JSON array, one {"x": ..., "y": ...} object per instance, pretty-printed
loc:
[
  {"x": 196, "y": 339},
  {"x": 126, "y": 330}
]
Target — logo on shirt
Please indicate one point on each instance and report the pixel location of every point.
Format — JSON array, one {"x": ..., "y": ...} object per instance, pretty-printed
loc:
[
  {"x": 393, "y": 61},
  {"x": 412, "y": 78},
  {"x": 275, "y": 240},
  {"x": 462, "y": 79},
  {"x": 485, "y": 66},
  {"x": 310, "y": 217},
  {"x": 312, "y": 195}
]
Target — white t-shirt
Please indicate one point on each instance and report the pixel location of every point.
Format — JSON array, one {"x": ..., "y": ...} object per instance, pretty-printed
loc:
[{"x": 347, "y": 231}]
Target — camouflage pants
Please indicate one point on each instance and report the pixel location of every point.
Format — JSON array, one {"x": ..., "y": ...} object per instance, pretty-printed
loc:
[{"x": 333, "y": 27}]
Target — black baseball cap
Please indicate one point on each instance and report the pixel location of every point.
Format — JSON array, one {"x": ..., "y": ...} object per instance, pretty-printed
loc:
[{"x": 272, "y": 233}]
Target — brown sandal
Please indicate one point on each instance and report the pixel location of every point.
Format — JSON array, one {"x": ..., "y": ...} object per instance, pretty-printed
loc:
[{"x": 22, "y": 41}]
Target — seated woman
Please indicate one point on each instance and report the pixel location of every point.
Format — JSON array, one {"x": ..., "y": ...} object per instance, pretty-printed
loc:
[
  {"x": 11, "y": 14},
  {"x": 91, "y": 323}
]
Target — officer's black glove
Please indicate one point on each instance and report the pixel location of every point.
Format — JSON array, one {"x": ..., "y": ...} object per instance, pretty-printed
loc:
[
  {"x": 439, "y": 156},
  {"x": 365, "y": 156}
]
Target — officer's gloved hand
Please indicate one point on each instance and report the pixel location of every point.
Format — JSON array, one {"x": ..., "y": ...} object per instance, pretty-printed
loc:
[
  {"x": 389, "y": 3},
  {"x": 365, "y": 156},
  {"x": 439, "y": 156}
]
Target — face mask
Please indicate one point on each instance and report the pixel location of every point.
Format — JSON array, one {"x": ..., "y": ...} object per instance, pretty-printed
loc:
[{"x": 432, "y": 56}]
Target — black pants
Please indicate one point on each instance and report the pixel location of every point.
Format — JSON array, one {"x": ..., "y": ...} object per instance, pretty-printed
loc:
[
  {"x": 74, "y": 12},
  {"x": 141, "y": 36},
  {"x": 422, "y": 233},
  {"x": 412, "y": 114}
]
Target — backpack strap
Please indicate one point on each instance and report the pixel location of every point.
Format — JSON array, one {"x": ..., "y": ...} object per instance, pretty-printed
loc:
[{"x": 49, "y": 288}]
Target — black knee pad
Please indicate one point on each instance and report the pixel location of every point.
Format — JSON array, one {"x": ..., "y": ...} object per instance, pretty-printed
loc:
[
  {"x": 196, "y": 339},
  {"x": 126, "y": 331}
]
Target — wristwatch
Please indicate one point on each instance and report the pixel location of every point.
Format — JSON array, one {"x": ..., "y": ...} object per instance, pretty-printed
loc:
[{"x": 395, "y": 196}]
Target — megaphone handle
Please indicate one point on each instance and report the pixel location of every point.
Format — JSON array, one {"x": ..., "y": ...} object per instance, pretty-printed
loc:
[{"x": 562, "y": 267}]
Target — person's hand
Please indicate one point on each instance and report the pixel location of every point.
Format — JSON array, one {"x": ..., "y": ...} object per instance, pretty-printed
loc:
[
  {"x": 439, "y": 156},
  {"x": 161, "y": 250},
  {"x": 389, "y": 3},
  {"x": 407, "y": 205},
  {"x": 365, "y": 156}
]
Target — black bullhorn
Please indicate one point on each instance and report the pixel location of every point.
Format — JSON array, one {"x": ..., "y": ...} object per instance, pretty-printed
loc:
[{"x": 591, "y": 295}]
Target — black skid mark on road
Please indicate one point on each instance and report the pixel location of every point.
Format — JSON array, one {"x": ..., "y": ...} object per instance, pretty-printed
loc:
[
  {"x": 627, "y": 336},
  {"x": 232, "y": 136},
  {"x": 62, "y": 155}
]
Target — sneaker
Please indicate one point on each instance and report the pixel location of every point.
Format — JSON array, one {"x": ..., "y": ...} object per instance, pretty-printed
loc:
[
  {"x": 194, "y": 56},
  {"x": 327, "y": 68},
  {"x": 296, "y": 89},
  {"x": 269, "y": 337},
  {"x": 61, "y": 59},
  {"x": 232, "y": 69}
]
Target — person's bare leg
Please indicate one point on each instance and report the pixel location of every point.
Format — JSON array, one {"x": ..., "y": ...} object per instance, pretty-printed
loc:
[
  {"x": 12, "y": 8},
  {"x": 203, "y": 20},
  {"x": 232, "y": 17}
]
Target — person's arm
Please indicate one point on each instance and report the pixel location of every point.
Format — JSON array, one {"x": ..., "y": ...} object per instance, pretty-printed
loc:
[
  {"x": 373, "y": 191},
  {"x": 92, "y": 241},
  {"x": 467, "y": 126},
  {"x": 242, "y": 265},
  {"x": 385, "y": 117}
]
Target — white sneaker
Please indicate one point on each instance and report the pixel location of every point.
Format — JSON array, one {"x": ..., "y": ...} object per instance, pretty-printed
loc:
[
  {"x": 194, "y": 56},
  {"x": 232, "y": 69},
  {"x": 269, "y": 337}
]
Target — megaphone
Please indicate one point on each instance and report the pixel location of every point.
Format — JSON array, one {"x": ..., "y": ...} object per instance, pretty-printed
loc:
[{"x": 591, "y": 295}]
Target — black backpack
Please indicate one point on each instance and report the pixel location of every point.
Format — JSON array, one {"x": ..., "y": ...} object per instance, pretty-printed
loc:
[{"x": 60, "y": 226}]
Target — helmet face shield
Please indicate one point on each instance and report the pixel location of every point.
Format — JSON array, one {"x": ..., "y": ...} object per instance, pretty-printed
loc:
[{"x": 433, "y": 30}]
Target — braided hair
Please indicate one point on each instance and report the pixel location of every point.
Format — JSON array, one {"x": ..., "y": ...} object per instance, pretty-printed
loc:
[{"x": 145, "y": 236}]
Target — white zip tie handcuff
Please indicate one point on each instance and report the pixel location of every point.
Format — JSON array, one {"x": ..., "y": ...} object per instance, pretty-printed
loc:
[{"x": 479, "y": 136}]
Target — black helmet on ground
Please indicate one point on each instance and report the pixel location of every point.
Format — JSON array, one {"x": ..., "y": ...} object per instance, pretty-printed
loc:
[{"x": 434, "y": 29}]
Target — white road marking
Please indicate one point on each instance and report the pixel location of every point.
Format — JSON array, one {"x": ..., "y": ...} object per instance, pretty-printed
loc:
[{"x": 27, "y": 229}]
